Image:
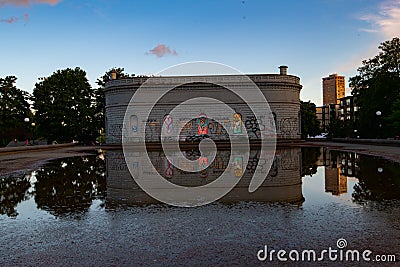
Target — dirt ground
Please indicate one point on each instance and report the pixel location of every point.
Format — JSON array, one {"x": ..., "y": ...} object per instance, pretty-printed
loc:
[{"x": 23, "y": 161}]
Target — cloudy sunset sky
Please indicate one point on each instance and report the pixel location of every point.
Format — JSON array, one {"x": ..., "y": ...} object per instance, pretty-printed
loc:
[{"x": 314, "y": 38}]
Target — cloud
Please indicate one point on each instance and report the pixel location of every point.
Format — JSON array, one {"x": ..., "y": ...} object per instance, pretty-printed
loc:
[
  {"x": 162, "y": 50},
  {"x": 387, "y": 21},
  {"x": 28, "y": 2},
  {"x": 15, "y": 19}
]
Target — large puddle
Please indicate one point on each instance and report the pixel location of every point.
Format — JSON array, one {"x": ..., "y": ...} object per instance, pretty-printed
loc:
[{"x": 90, "y": 209}]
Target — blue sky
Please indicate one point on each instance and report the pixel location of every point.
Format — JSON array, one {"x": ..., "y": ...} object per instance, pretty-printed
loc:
[{"x": 314, "y": 38}]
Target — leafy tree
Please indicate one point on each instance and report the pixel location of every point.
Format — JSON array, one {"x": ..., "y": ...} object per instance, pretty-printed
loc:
[
  {"x": 309, "y": 122},
  {"x": 99, "y": 96},
  {"x": 65, "y": 106},
  {"x": 377, "y": 88},
  {"x": 394, "y": 118},
  {"x": 339, "y": 128},
  {"x": 14, "y": 108}
]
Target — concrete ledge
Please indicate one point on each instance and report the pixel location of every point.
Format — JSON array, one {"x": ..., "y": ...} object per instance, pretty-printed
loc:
[
  {"x": 381, "y": 142},
  {"x": 33, "y": 148}
]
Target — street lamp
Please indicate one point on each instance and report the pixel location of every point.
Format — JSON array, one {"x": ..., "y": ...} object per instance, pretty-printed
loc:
[
  {"x": 378, "y": 114},
  {"x": 33, "y": 132},
  {"x": 27, "y": 121}
]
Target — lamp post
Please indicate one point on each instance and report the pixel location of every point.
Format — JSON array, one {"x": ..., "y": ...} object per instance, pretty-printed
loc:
[
  {"x": 378, "y": 114},
  {"x": 26, "y": 120},
  {"x": 33, "y": 132}
]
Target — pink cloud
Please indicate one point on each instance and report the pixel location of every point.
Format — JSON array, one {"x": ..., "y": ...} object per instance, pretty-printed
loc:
[
  {"x": 15, "y": 19},
  {"x": 162, "y": 50},
  {"x": 387, "y": 20},
  {"x": 28, "y": 2}
]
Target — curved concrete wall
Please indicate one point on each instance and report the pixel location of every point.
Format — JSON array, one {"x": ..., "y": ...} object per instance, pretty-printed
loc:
[{"x": 281, "y": 91}]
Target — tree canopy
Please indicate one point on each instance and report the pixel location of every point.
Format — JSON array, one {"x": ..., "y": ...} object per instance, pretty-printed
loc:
[
  {"x": 309, "y": 122},
  {"x": 65, "y": 107},
  {"x": 14, "y": 108},
  {"x": 376, "y": 88}
]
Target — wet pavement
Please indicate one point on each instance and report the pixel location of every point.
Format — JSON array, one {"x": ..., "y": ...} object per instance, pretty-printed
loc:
[{"x": 82, "y": 211}]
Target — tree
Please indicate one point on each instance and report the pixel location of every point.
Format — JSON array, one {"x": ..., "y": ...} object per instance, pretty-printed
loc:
[
  {"x": 99, "y": 95},
  {"x": 376, "y": 87},
  {"x": 65, "y": 107},
  {"x": 14, "y": 108},
  {"x": 310, "y": 125}
]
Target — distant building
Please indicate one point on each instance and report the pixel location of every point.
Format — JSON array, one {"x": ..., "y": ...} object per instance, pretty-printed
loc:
[
  {"x": 333, "y": 88},
  {"x": 347, "y": 109},
  {"x": 325, "y": 114},
  {"x": 344, "y": 110}
]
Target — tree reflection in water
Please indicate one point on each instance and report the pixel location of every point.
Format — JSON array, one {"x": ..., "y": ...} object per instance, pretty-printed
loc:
[
  {"x": 13, "y": 190},
  {"x": 378, "y": 180},
  {"x": 68, "y": 186},
  {"x": 309, "y": 156}
]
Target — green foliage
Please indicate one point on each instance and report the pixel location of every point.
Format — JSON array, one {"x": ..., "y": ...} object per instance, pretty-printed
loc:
[
  {"x": 65, "y": 107},
  {"x": 338, "y": 128},
  {"x": 393, "y": 120},
  {"x": 14, "y": 108},
  {"x": 377, "y": 88},
  {"x": 310, "y": 125}
]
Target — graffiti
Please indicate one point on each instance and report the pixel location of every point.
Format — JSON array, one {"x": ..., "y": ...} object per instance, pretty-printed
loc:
[
  {"x": 218, "y": 131},
  {"x": 237, "y": 123},
  {"x": 238, "y": 166},
  {"x": 168, "y": 169},
  {"x": 202, "y": 124},
  {"x": 289, "y": 160},
  {"x": 134, "y": 123},
  {"x": 273, "y": 172},
  {"x": 288, "y": 126},
  {"x": 152, "y": 130},
  {"x": 252, "y": 127},
  {"x": 168, "y": 122}
]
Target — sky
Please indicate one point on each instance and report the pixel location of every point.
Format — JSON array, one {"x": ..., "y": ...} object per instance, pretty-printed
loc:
[{"x": 315, "y": 38}]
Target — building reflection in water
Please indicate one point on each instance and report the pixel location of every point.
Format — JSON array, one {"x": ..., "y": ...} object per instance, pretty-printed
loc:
[
  {"x": 282, "y": 184},
  {"x": 338, "y": 167},
  {"x": 70, "y": 186}
]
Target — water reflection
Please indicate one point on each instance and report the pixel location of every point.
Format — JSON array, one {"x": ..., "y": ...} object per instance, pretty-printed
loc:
[
  {"x": 69, "y": 186},
  {"x": 282, "y": 183},
  {"x": 13, "y": 190},
  {"x": 378, "y": 179}
]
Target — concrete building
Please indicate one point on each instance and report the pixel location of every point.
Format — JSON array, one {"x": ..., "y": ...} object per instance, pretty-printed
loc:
[
  {"x": 347, "y": 109},
  {"x": 333, "y": 88},
  {"x": 281, "y": 90}
]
